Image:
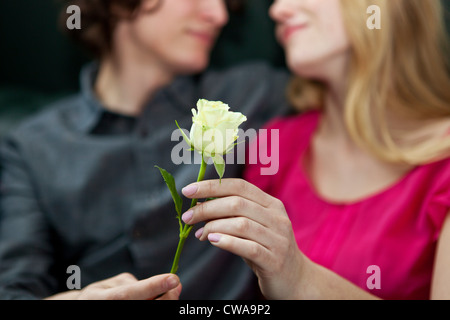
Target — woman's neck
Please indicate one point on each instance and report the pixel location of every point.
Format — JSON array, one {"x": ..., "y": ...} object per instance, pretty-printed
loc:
[
  {"x": 340, "y": 169},
  {"x": 334, "y": 73},
  {"x": 332, "y": 125}
]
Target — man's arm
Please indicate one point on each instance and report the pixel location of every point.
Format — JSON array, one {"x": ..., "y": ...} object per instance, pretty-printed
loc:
[{"x": 26, "y": 251}]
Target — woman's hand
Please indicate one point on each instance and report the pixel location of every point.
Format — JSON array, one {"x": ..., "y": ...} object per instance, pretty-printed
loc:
[
  {"x": 252, "y": 224},
  {"x": 126, "y": 287}
]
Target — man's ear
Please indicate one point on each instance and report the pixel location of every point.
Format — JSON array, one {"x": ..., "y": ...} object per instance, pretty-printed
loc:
[
  {"x": 123, "y": 11},
  {"x": 148, "y": 6}
]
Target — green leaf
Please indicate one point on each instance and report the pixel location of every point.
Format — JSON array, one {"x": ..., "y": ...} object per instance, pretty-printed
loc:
[
  {"x": 185, "y": 136},
  {"x": 219, "y": 164},
  {"x": 170, "y": 182}
]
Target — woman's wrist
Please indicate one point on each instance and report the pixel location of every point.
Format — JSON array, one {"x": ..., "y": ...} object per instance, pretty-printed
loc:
[{"x": 303, "y": 278}]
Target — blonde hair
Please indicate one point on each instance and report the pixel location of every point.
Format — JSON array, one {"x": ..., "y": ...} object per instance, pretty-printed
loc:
[{"x": 399, "y": 72}]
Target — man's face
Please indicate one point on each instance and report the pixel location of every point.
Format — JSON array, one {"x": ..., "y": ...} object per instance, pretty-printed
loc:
[{"x": 178, "y": 34}]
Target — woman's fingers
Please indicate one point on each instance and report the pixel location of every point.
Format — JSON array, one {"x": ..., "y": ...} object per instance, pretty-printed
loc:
[
  {"x": 238, "y": 227},
  {"x": 257, "y": 255},
  {"x": 225, "y": 188},
  {"x": 249, "y": 223},
  {"x": 232, "y": 206}
]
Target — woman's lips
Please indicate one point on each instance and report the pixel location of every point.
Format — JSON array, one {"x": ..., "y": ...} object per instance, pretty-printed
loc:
[{"x": 288, "y": 31}]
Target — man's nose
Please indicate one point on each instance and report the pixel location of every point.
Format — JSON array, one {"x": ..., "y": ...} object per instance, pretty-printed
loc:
[{"x": 215, "y": 11}]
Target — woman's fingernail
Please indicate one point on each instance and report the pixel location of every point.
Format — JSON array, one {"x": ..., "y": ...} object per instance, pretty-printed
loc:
[
  {"x": 213, "y": 237},
  {"x": 187, "y": 216},
  {"x": 189, "y": 190},
  {"x": 199, "y": 233}
]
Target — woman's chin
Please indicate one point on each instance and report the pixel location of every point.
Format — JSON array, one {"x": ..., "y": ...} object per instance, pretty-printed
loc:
[{"x": 307, "y": 68}]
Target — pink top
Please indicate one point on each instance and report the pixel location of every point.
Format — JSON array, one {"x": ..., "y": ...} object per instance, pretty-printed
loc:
[{"x": 395, "y": 230}]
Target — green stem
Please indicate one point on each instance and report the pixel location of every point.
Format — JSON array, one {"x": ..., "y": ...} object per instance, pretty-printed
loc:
[
  {"x": 183, "y": 236},
  {"x": 187, "y": 228}
]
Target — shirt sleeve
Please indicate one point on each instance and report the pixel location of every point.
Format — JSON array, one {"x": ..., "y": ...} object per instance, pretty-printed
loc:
[{"x": 25, "y": 239}]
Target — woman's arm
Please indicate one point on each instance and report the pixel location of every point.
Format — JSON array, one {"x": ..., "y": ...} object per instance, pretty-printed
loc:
[
  {"x": 440, "y": 286},
  {"x": 254, "y": 225}
]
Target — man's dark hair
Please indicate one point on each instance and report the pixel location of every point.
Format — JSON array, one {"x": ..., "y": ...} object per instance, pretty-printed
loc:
[{"x": 99, "y": 19}]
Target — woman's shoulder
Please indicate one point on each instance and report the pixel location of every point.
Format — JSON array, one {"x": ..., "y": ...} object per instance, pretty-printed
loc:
[
  {"x": 298, "y": 127},
  {"x": 297, "y": 121},
  {"x": 431, "y": 182},
  {"x": 437, "y": 175}
]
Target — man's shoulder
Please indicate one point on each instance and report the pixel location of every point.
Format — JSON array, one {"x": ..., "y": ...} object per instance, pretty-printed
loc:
[{"x": 50, "y": 118}]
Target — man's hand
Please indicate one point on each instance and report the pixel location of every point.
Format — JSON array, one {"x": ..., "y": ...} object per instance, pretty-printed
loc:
[{"x": 126, "y": 287}]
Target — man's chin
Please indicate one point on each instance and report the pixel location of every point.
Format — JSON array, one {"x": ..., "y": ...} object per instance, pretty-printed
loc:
[{"x": 194, "y": 67}]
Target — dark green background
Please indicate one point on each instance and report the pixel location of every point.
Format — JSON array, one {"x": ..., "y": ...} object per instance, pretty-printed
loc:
[
  {"x": 38, "y": 64},
  {"x": 35, "y": 54}
]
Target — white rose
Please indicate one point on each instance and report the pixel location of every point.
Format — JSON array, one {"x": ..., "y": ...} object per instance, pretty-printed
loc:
[{"x": 214, "y": 130}]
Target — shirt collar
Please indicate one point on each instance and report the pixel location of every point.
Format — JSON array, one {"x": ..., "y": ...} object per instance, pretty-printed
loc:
[
  {"x": 180, "y": 94},
  {"x": 91, "y": 109}
]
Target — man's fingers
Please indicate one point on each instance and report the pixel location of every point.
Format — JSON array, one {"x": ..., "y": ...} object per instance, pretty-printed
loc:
[
  {"x": 173, "y": 294},
  {"x": 148, "y": 288},
  {"x": 126, "y": 287},
  {"x": 119, "y": 280},
  {"x": 225, "y": 188}
]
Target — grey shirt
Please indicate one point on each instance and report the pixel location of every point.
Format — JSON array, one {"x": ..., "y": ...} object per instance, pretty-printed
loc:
[{"x": 78, "y": 187}]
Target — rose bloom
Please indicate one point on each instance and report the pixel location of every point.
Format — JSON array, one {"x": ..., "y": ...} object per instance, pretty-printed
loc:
[{"x": 214, "y": 128}]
